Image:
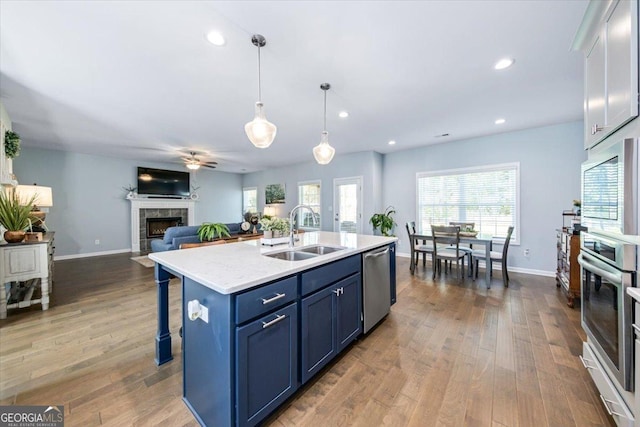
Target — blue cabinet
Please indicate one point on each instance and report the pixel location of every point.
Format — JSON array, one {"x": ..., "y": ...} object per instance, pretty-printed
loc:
[
  {"x": 330, "y": 320},
  {"x": 267, "y": 357}
]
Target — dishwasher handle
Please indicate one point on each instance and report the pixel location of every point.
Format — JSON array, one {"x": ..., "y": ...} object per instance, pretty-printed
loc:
[{"x": 377, "y": 254}]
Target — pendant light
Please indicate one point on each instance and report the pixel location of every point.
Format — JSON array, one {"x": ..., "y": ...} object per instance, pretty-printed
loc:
[
  {"x": 260, "y": 131},
  {"x": 324, "y": 152}
]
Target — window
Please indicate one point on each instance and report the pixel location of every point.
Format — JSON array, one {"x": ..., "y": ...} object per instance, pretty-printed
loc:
[
  {"x": 249, "y": 199},
  {"x": 487, "y": 196},
  {"x": 309, "y": 194}
]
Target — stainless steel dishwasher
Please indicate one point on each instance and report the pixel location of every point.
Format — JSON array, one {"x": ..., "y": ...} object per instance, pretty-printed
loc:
[{"x": 376, "y": 286}]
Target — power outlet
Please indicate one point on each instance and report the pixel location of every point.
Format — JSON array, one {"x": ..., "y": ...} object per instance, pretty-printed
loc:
[
  {"x": 97, "y": 241},
  {"x": 527, "y": 253}
]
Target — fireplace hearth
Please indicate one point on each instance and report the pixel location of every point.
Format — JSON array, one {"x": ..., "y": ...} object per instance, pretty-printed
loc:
[{"x": 156, "y": 227}]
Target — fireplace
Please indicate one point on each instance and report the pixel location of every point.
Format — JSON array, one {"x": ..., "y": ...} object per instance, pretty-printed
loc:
[
  {"x": 156, "y": 227},
  {"x": 143, "y": 209}
]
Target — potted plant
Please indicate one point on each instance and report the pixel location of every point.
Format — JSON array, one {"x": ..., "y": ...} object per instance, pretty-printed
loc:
[
  {"x": 131, "y": 191},
  {"x": 274, "y": 226},
  {"x": 11, "y": 144},
  {"x": 281, "y": 227},
  {"x": 15, "y": 215},
  {"x": 384, "y": 221},
  {"x": 577, "y": 204},
  {"x": 210, "y": 230}
]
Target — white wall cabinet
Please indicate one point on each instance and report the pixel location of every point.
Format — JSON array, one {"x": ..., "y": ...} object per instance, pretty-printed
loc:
[{"x": 611, "y": 68}]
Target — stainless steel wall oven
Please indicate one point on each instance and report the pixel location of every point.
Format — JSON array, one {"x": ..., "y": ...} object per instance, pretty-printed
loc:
[{"x": 609, "y": 267}]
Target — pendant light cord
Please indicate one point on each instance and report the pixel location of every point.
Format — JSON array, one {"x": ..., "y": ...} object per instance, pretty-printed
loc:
[
  {"x": 259, "y": 78},
  {"x": 325, "y": 110}
]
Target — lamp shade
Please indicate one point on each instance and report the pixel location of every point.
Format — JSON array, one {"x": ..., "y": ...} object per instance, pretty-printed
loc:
[
  {"x": 270, "y": 211},
  {"x": 43, "y": 195},
  {"x": 324, "y": 152},
  {"x": 260, "y": 131}
]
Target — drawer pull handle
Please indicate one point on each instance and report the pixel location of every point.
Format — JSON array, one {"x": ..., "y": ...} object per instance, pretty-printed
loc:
[
  {"x": 609, "y": 410},
  {"x": 278, "y": 318},
  {"x": 584, "y": 363},
  {"x": 270, "y": 300}
]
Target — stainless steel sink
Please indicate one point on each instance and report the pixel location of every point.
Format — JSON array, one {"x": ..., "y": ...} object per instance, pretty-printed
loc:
[
  {"x": 291, "y": 255},
  {"x": 320, "y": 250}
]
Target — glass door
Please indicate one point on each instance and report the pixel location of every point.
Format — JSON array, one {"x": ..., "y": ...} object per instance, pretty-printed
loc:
[{"x": 347, "y": 204}]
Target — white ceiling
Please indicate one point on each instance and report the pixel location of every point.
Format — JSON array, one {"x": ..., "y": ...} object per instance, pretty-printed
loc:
[{"x": 138, "y": 79}]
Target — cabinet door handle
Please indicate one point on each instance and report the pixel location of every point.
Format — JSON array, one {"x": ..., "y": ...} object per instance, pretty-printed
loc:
[
  {"x": 584, "y": 363},
  {"x": 595, "y": 129},
  {"x": 278, "y": 318},
  {"x": 608, "y": 408},
  {"x": 336, "y": 291},
  {"x": 270, "y": 300},
  {"x": 637, "y": 328}
]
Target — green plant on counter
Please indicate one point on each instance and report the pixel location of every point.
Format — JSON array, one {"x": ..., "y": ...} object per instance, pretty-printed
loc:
[
  {"x": 11, "y": 144},
  {"x": 15, "y": 213},
  {"x": 210, "y": 230},
  {"x": 384, "y": 221},
  {"x": 275, "y": 224}
]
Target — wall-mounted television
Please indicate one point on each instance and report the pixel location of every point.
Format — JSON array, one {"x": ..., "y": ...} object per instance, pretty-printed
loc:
[{"x": 160, "y": 182}]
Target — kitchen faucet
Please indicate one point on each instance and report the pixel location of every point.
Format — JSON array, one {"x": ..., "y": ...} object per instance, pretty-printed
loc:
[{"x": 292, "y": 215}]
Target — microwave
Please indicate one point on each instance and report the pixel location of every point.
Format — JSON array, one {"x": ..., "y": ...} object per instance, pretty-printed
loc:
[{"x": 610, "y": 188}]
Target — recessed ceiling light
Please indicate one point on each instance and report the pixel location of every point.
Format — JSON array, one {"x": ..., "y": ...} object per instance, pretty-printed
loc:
[
  {"x": 392, "y": 142},
  {"x": 500, "y": 121},
  {"x": 216, "y": 38},
  {"x": 504, "y": 63},
  {"x": 343, "y": 114}
]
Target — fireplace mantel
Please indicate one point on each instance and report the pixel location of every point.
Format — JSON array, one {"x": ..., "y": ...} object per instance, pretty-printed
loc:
[{"x": 141, "y": 203}]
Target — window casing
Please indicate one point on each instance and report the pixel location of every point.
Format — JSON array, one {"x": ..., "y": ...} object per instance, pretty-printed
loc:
[
  {"x": 309, "y": 194},
  {"x": 249, "y": 200},
  {"x": 488, "y": 196}
]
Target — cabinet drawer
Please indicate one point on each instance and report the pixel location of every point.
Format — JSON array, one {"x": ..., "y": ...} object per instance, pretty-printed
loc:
[
  {"x": 608, "y": 394},
  {"x": 266, "y": 298},
  {"x": 330, "y": 273}
]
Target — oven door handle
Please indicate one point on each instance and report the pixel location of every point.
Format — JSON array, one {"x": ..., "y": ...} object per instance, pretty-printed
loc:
[{"x": 595, "y": 266}]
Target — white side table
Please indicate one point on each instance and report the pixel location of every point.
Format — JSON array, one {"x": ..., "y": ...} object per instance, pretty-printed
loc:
[{"x": 26, "y": 261}]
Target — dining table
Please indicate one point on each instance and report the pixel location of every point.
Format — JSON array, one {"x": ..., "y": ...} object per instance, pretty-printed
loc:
[{"x": 478, "y": 239}]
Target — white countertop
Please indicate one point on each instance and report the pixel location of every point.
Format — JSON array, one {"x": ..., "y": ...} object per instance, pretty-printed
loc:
[
  {"x": 635, "y": 293},
  {"x": 235, "y": 267}
]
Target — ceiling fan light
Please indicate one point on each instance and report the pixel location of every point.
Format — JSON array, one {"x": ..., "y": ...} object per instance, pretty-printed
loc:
[
  {"x": 324, "y": 152},
  {"x": 193, "y": 166},
  {"x": 260, "y": 131}
]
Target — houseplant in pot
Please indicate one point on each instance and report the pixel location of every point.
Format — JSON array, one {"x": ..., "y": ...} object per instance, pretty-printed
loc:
[
  {"x": 210, "y": 230},
  {"x": 384, "y": 221},
  {"x": 15, "y": 215}
]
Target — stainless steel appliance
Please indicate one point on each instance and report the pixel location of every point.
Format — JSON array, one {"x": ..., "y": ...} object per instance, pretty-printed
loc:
[
  {"x": 376, "y": 286},
  {"x": 609, "y": 267},
  {"x": 610, "y": 188}
]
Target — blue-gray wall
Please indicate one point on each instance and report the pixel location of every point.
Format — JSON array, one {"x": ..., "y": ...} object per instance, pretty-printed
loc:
[
  {"x": 367, "y": 164},
  {"x": 89, "y": 202},
  {"x": 549, "y": 158}
]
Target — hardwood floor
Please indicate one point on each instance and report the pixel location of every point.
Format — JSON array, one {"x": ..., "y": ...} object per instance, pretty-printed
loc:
[{"x": 450, "y": 353}]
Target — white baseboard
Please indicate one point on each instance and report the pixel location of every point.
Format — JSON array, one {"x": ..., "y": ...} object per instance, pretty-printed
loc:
[
  {"x": 90, "y": 254},
  {"x": 531, "y": 271}
]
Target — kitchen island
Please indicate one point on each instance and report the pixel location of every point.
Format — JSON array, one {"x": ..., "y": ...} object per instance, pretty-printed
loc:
[{"x": 257, "y": 327}]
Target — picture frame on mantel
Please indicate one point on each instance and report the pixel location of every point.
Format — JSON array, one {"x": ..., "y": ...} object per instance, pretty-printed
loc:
[{"x": 274, "y": 194}]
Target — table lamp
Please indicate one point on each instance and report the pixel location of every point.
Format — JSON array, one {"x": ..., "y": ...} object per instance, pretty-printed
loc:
[
  {"x": 42, "y": 198},
  {"x": 270, "y": 211}
]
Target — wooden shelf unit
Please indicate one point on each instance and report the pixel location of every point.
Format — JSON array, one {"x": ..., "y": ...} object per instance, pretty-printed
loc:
[{"x": 568, "y": 269}]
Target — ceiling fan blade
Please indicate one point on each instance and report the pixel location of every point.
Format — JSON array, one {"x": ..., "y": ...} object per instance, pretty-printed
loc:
[
  {"x": 208, "y": 163},
  {"x": 208, "y": 166}
]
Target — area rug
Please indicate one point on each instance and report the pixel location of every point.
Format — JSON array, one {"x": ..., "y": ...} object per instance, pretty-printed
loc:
[{"x": 144, "y": 260}]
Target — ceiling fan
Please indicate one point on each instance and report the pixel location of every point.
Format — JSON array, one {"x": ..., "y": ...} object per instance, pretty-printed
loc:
[{"x": 193, "y": 163}]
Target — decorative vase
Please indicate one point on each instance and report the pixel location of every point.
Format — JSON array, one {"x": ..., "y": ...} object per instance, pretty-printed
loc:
[
  {"x": 268, "y": 234},
  {"x": 14, "y": 236}
]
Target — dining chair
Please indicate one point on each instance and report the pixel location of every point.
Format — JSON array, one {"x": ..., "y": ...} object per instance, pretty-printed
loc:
[
  {"x": 449, "y": 236},
  {"x": 495, "y": 256},
  {"x": 417, "y": 247},
  {"x": 466, "y": 226}
]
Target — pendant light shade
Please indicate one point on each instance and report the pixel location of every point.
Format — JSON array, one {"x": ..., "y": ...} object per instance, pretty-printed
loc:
[
  {"x": 324, "y": 152},
  {"x": 260, "y": 131}
]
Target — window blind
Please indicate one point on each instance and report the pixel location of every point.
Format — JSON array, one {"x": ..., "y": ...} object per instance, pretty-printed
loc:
[{"x": 486, "y": 196}]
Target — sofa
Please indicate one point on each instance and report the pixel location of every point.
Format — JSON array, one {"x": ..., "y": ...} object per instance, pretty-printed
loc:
[{"x": 175, "y": 236}]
